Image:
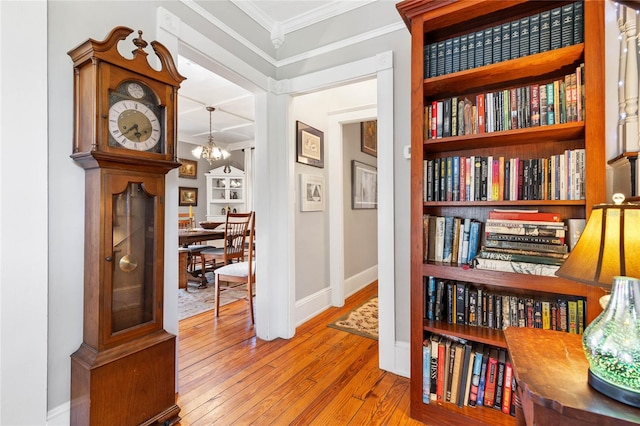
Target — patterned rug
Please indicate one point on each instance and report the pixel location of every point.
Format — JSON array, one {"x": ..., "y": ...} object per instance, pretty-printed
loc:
[
  {"x": 362, "y": 321},
  {"x": 194, "y": 300}
]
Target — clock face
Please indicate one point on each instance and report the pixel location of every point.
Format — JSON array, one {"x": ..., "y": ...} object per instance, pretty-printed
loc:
[{"x": 133, "y": 125}]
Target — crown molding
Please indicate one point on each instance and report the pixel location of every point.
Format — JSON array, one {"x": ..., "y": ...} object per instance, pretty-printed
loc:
[
  {"x": 303, "y": 56},
  {"x": 301, "y": 21},
  {"x": 232, "y": 33}
]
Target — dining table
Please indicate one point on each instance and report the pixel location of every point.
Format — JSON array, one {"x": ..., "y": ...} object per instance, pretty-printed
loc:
[
  {"x": 196, "y": 235},
  {"x": 192, "y": 236}
]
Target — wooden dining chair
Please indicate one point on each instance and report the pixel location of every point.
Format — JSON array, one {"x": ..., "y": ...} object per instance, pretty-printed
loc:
[
  {"x": 236, "y": 274},
  {"x": 193, "y": 254},
  {"x": 235, "y": 232}
]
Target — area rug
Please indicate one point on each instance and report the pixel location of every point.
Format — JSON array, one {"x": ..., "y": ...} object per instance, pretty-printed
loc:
[
  {"x": 362, "y": 321},
  {"x": 194, "y": 300}
]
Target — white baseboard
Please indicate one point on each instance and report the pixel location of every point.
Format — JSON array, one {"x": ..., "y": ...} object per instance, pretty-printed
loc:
[
  {"x": 60, "y": 415},
  {"x": 360, "y": 280},
  {"x": 312, "y": 305},
  {"x": 402, "y": 354},
  {"x": 316, "y": 303}
]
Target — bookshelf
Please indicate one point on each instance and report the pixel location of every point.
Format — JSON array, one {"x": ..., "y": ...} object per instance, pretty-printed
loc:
[{"x": 431, "y": 21}]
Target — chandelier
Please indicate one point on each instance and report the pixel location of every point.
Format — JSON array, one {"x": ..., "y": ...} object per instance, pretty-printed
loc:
[{"x": 211, "y": 152}]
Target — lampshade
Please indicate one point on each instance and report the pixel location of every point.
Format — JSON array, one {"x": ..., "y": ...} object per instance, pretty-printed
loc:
[
  {"x": 607, "y": 255},
  {"x": 608, "y": 247}
]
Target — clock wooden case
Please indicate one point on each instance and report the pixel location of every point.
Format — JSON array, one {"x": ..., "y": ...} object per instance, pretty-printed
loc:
[{"x": 125, "y": 139}]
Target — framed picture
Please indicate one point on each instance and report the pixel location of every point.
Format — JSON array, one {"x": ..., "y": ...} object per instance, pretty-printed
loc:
[
  {"x": 364, "y": 186},
  {"x": 187, "y": 196},
  {"x": 311, "y": 193},
  {"x": 369, "y": 137},
  {"x": 310, "y": 144},
  {"x": 188, "y": 168}
]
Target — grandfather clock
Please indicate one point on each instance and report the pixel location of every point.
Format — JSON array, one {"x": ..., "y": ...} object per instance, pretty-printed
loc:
[{"x": 125, "y": 139}]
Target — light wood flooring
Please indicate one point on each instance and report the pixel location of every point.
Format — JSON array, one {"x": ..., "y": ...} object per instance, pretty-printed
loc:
[{"x": 322, "y": 376}]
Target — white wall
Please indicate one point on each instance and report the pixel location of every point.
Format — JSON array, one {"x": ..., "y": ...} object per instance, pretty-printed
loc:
[
  {"x": 24, "y": 221},
  {"x": 312, "y": 228},
  {"x": 40, "y": 311},
  {"x": 360, "y": 225}
]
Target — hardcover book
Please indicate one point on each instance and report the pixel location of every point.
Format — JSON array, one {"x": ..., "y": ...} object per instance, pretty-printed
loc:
[
  {"x": 534, "y": 34},
  {"x": 556, "y": 28},
  {"x": 491, "y": 378},
  {"x": 515, "y": 39},
  {"x": 426, "y": 372},
  {"x": 524, "y": 36},
  {"x": 545, "y": 31},
  {"x": 516, "y": 267},
  {"x": 567, "y": 25}
]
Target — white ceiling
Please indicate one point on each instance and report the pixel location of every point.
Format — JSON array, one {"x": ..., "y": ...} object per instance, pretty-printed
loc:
[{"x": 233, "y": 119}]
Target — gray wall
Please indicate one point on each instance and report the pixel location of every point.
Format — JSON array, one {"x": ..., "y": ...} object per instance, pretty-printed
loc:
[
  {"x": 72, "y": 22},
  {"x": 360, "y": 225}
]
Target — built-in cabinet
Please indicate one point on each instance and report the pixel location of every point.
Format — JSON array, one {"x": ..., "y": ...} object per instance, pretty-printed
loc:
[
  {"x": 226, "y": 191},
  {"x": 437, "y": 22}
]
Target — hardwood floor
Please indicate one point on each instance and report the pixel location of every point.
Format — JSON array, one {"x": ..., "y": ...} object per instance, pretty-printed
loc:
[{"x": 322, "y": 376}]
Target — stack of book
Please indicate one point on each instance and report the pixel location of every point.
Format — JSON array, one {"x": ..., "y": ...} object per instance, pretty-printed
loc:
[
  {"x": 526, "y": 242},
  {"x": 465, "y": 373}
]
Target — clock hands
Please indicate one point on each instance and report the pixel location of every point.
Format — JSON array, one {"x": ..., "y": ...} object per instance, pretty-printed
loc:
[{"x": 137, "y": 134}]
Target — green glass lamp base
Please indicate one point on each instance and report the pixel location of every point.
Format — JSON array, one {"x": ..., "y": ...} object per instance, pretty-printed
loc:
[{"x": 623, "y": 395}]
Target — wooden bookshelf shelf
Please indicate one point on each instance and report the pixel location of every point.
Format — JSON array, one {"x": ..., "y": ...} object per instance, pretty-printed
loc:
[{"x": 433, "y": 21}]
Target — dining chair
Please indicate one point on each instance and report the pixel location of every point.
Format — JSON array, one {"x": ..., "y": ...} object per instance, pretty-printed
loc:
[
  {"x": 238, "y": 273},
  {"x": 193, "y": 254},
  {"x": 235, "y": 233}
]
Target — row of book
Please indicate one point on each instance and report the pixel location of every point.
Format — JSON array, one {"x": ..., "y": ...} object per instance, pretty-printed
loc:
[
  {"x": 489, "y": 178},
  {"x": 458, "y": 302},
  {"x": 541, "y": 32},
  {"x": 557, "y": 102},
  {"x": 450, "y": 240},
  {"x": 465, "y": 373}
]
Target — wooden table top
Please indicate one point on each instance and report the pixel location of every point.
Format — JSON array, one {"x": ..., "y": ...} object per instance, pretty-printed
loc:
[
  {"x": 550, "y": 366},
  {"x": 198, "y": 235}
]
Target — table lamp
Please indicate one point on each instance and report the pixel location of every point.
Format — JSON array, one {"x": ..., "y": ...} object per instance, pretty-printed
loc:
[{"x": 608, "y": 255}]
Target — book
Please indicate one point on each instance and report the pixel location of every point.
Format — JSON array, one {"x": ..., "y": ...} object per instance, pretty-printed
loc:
[
  {"x": 440, "y": 380},
  {"x": 463, "y": 388},
  {"x": 527, "y": 242},
  {"x": 426, "y": 372},
  {"x": 475, "y": 376},
  {"x": 448, "y": 369},
  {"x": 431, "y": 245},
  {"x": 527, "y": 252},
  {"x": 431, "y": 298},
  {"x": 439, "y": 238},
  {"x": 447, "y": 247},
  {"x": 491, "y": 378},
  {"x": 499, "y": 392},
  {"x": 474, "y": 240},
  {"x": 516, "y": 267},
  {"x": 526, "y": 215},
  {"x": 433, "y": 368},
  {"x": 506, "y": 393},
  {"x": 483, "y": 376},
  {"x": 516, "y": 257},
  {"x": 456, "y": 372},
  {"x": 460, "y": 290},
  {"x": 467, "y": 389}
]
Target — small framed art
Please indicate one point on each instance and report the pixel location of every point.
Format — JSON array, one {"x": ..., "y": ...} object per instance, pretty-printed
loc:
[
  {"x": 310, "y": 145},
  {"x": 311, "y": 193},
  {"x": 188, "y": 168},
  {"x": 187, "y": 196},
  {"x": 364, "y": 186},
  {"x": 369, "y": 137}
]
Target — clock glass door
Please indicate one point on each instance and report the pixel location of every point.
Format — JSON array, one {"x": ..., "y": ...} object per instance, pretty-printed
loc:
[{"x": 134, "y": 254}]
